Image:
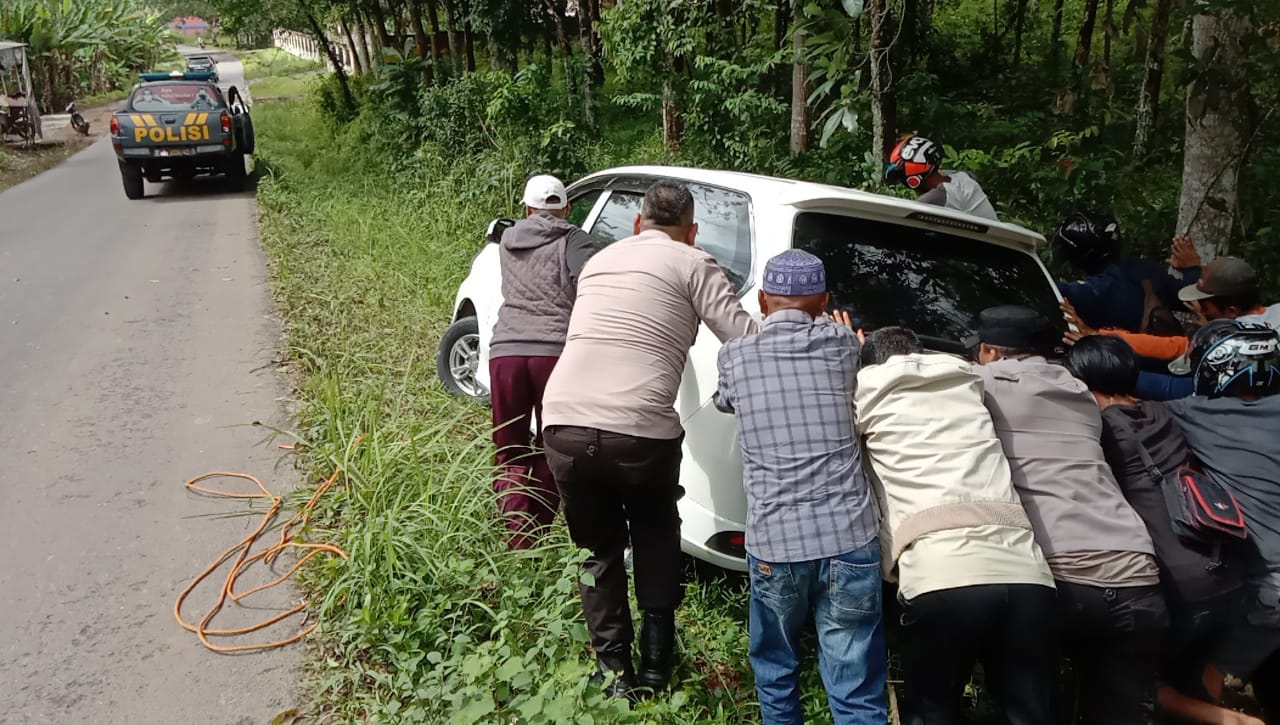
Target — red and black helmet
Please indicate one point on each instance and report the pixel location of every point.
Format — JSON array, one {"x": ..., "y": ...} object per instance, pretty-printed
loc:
[{"x": 913, "y": 160}]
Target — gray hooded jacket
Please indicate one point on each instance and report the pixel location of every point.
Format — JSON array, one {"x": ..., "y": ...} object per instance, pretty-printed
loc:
[
  {"x": 1237, "y": 443},
  {"x": 541, "y": 258}
]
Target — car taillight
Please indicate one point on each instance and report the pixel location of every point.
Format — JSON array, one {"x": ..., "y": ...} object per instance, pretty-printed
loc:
[
  {"x": 226, "y": 122},
  {"x": 115, "y": 126}
]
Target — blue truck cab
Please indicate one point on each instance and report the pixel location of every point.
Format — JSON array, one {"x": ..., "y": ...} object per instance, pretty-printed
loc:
[{"x": 178, "y": 125}]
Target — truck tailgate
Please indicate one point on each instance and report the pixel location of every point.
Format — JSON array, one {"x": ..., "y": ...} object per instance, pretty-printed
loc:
[{"x": 167, "y": 129}]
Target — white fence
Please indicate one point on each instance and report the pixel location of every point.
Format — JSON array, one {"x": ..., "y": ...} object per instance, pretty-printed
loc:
[{"x": 305, "y": 46}]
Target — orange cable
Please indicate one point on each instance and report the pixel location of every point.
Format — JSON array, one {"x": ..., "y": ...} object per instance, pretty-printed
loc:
[{"x": 243, "y": 560}]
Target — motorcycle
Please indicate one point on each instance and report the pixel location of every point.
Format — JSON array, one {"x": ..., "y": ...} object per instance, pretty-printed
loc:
[{"x": 78, "y": 121}]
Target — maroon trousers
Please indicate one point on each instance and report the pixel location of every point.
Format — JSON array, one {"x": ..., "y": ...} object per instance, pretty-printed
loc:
[{"x": 527, "y": 494}]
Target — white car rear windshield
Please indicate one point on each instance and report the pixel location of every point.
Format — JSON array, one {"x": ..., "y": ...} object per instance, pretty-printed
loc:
[
  {"x": 930, "y": 281},
  {"x": 162, "y": 97}
]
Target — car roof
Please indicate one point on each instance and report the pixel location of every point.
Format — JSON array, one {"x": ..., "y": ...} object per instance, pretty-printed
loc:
[
  {"x": 810, "y": 196},
  {"x": 176, "y": 82}
]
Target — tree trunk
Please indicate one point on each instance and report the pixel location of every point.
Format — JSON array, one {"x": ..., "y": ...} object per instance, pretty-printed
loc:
[
  {"x": 339, "y": 72},
  {"x": 455, "y": 36},
  {"x": 547, "y": 35},
  {"x": 356, "y": 60},
  {"x": 1020, "y": 18},
  {"x": 883, "y": 107},
  {"x": 421, "y": 45},
  {"x": 377, "y": 49},
  {"x": 360, "y": 30},
  {"x": 781, "y": 21},
  {"x": 799, "y": 93},
  {"x": 672, "y": 123},
  {"x": 910, "y": 24},
  {"x": 469, "y": 45},
  {"x": 1108, "y": 28},
  {"x": 1218, "y": 133},
  {"x": 672, "y": 120},
  {"x": 380, "y": 26},
  {"x": 1084, "y": 47},
  {"x": 587, "y": 39},
  {"x": 557, "y": 10},
  {"x": 397, "y": 24},
  {"x": 1149, "y": 95},
  {"x": 433, "y": 17},
  {"x": 1055, "y": 38}
]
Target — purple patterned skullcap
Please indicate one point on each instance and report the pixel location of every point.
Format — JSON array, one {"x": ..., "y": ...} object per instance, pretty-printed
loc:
[{"x": 795, "y": 273}]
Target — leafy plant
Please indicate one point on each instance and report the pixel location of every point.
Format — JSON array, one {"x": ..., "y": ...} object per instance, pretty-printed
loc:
[{"x": 84, "y": 47}]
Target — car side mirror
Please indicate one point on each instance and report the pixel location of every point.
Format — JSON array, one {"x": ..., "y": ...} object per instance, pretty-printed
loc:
[{"x": 496, "y": 228}]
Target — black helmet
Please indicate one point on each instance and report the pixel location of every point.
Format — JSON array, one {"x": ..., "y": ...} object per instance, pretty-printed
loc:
[
  {"x": 1087, "y": 238},
  {"x": 1232, "y": 359}
]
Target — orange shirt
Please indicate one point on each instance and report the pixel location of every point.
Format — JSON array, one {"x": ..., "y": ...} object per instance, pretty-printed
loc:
[{"x": 1158, "y": 347}]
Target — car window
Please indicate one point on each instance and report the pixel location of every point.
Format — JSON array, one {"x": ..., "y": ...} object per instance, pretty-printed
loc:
[
  {"x": 930, "y": 281},
  {"x": 724, "y": 229},
  {"x": 580, "y": 206},
  {"x": 161, "y": 97},
  {"x": 617, "y": 219},
  {"x": 724, "y": 226}
]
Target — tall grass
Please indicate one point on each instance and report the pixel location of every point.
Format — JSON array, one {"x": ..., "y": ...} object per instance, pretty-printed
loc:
[{"x": 432, "y": 619}]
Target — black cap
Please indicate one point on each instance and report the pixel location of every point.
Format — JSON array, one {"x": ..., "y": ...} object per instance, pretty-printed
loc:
[
  {"x": 1223, "y": 277},
  {"x": 1013, "y": 326}
]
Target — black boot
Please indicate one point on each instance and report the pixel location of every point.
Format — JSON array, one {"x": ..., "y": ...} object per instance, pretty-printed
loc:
[
  {"x": 657, "y": 650},
  {"x": 620, "y": 664}
]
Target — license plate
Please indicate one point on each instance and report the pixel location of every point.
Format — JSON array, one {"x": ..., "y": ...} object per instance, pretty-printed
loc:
[{"x": 173, "y": 152}]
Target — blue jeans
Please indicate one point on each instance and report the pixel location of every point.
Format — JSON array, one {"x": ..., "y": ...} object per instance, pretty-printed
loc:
[{"x": 843, "y": 594}]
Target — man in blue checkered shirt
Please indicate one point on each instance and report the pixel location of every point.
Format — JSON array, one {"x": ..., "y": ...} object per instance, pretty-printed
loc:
[{"x": 811, "y": 522}]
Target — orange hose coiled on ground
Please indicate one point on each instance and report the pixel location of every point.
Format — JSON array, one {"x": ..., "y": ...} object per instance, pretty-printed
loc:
[{"x": 244, "y": 559}]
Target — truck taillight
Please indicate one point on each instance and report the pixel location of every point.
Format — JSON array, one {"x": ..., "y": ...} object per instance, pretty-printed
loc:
[
  {"x": 226, "y": 123},
  {"x": 115, "y": 126}
]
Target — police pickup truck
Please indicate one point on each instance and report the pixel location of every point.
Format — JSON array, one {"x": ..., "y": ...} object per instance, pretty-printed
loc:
[{"x": 178, "y": 125}]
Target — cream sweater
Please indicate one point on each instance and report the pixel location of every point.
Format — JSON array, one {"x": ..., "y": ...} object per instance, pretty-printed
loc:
[{"x": 937, "y": 461}]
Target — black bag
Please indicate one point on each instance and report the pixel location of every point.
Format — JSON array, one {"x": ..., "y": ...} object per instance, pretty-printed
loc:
[
  {"x": 1202, "y": 510},
  {"x": 1208, "y": 512}
]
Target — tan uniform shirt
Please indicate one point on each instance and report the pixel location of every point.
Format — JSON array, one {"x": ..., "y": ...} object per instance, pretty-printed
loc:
[{"x": 636, "y": 316}]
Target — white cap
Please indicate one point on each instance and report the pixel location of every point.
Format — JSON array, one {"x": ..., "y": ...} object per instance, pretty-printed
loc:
[{"x": 545, "y": 192}]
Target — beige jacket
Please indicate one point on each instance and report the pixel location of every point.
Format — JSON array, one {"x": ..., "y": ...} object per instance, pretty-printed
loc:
[
  {"x": 638, "y": 307},
  {"x": 937, "y": 461}
]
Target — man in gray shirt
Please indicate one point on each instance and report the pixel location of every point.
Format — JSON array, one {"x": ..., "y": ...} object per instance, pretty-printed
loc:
[
  {"x": 613, "y": 437},
  {"x": 811, "y": 529},
  {"x": 1112, "y": 614}
]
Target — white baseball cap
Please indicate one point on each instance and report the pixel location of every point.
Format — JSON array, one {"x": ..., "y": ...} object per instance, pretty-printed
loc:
[{"x": 545, "y": 192}]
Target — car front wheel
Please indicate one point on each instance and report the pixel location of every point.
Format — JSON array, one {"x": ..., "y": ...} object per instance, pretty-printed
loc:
[{"x": 458, "y": 360}]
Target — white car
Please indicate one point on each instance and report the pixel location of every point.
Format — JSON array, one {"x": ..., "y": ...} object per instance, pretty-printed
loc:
[{"x": 889, "y": 262}]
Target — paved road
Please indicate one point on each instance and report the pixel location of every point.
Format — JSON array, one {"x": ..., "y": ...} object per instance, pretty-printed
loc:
[{"x": 135, "y": 347}]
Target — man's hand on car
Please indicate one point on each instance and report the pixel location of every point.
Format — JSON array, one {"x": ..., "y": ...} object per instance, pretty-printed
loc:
[
  {"x": 842, "y": 318},
  {"x": 1076, "y": 327}
]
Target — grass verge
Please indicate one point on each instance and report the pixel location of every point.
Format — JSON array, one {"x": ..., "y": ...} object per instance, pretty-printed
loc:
[
  {"x": 282, "y": 86},
  {"x": 274, "y": 62},
  {"x": 431, "y": 619}
]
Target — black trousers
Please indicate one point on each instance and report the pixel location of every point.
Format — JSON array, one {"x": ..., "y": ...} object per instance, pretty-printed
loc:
[
  {"x": 1009, "y": 628},
  {"x": 1114, "y": 639},
  {"x": 617, "y": 488}
]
